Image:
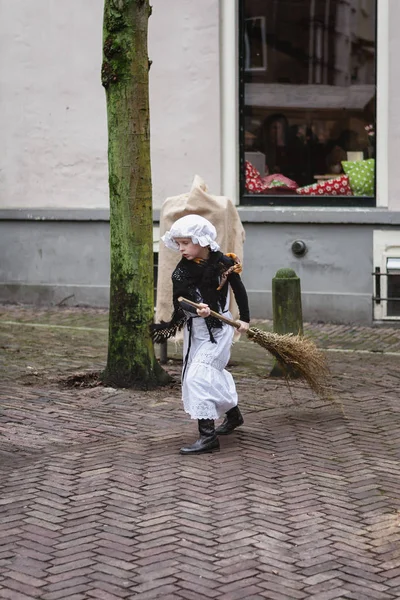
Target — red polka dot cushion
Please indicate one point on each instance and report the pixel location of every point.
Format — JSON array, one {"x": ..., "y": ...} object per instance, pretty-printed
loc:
[
  {"x": 339, "y": 186},
  {"x": 254, "y": 183}
]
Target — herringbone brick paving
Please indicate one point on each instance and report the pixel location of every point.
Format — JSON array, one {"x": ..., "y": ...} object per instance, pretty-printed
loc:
[{"x": 96, "y": 503}]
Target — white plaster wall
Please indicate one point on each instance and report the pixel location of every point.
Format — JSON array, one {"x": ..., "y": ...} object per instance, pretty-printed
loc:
[
  {"x": 184, "y": 95},
  {"x": 52, "y": 105},
  {"x": 394, "y": 103}
]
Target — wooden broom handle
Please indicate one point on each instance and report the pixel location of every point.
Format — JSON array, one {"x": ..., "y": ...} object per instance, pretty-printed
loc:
[{"x": 212, "y": 312}]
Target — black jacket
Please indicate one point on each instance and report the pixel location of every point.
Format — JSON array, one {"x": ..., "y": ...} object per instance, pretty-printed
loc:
[{"x": 199, "y": 282}]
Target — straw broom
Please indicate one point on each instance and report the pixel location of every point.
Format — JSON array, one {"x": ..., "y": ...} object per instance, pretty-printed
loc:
[{"x": 293, "y": 351}]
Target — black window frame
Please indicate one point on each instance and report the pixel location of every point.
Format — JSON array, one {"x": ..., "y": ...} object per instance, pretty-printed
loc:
[{"x": 291, "y": 200}]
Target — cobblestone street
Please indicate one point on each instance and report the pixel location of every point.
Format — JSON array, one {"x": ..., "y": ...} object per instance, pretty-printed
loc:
[{"x": 302, "y": 502}]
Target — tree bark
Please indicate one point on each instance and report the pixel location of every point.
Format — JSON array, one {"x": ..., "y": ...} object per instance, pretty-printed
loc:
[{"x": 131, "y": 361}]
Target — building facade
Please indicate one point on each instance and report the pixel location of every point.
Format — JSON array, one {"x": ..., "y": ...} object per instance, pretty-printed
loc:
[{"x": 288, "y": 107}]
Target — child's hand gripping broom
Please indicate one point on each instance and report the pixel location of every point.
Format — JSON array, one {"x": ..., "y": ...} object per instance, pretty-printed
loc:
[{"x": 291, "y": 350}]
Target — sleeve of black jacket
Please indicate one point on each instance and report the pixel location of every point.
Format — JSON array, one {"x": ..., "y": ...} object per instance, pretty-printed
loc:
[{"x": 240, "y": 294}]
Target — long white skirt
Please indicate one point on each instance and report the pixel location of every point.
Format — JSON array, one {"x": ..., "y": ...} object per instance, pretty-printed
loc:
[{"x": 208, "y": 390}]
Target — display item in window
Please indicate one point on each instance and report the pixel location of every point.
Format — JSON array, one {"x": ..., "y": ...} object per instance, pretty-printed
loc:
[
  {"x": 339, "y": 186},
  {"x": 255, "y": 184}
]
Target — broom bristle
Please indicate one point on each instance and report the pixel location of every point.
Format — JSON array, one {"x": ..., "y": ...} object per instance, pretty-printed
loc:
[{"x": 297, "y": 352}]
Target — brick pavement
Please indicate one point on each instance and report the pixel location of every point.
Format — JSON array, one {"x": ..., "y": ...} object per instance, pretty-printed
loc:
[{"x": 302, "y": 501}]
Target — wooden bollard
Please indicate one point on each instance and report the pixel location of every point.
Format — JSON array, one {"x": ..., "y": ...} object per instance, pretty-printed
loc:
[{"x": 287, "y": 312}]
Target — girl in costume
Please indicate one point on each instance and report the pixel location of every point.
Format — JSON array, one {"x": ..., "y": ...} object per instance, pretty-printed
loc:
[{"x": 206, "y": 276}]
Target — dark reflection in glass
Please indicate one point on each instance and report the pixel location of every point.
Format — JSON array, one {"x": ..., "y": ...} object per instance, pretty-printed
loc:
[{"x": 393, "y": 291}]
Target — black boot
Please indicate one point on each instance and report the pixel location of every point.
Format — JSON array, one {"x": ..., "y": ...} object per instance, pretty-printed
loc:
[
  {"x": 232, "y": 420},
  {"x": 207, "y": 442}
]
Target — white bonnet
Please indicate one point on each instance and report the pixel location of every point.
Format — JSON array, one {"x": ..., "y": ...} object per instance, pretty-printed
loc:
[{"x": 199, "y": 229}]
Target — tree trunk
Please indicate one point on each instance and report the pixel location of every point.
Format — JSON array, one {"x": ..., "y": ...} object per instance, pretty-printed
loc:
[{"x": 131, "y": 361}]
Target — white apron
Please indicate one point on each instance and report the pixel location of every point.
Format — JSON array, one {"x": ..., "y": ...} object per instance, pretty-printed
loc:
[{"x": 208, "y": 390}]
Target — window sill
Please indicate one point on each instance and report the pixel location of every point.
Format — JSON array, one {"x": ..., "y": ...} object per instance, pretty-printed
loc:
[
  {"x": 319, "y": 215},
  {"x": 248, "y": 214}
]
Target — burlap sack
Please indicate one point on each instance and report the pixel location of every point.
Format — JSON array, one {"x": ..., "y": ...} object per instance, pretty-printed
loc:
[{"x": 230, "y": 235}]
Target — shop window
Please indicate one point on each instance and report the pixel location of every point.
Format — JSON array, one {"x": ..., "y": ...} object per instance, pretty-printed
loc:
[{"x": 308, "y": 102}]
